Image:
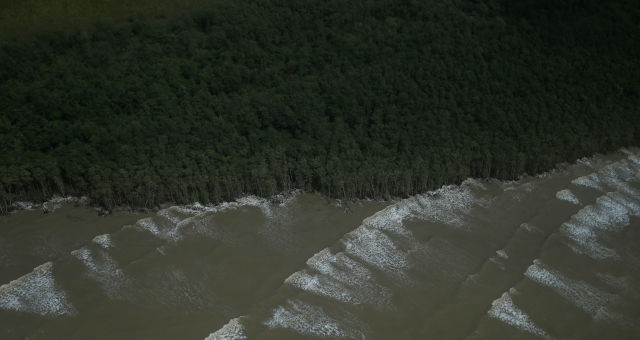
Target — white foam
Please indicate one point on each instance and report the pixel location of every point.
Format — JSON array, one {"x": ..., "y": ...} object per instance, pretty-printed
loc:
[
  {"x": 605, "y": 214},
  {"x": 376, "y": 249},
  {"x": 447, "y": 205},
  {"x": 103, "y": 269},
  {"x": 391, "y": 218},
  {"x": 584, "y": 296},
  {"x": 382, "y": 242},
  {"x": 181, "y": 218},
  {"x": 610, "y": 176},
  {"x": 374, "y": 244},
  {"x": 635, "y": 159},
  {"x": 590, "y": 181},
  {"x": 203, "y": 225},
  {"x": 149, "y": 225},
  {"x": 170, "y": 214},
  {"x": 528, "y": 187},
  {"x": 25, "y": 205},
  {"x": 503, "y": 254},
  {"x": 567, "y": 195},
  {"x": 257, "y": 202},
  {"x": 36, "y": 292},
  {"x": 233, "y": 330},
  {"x": 340, "y": 278},
  {"x": 499, "y": 259},
  {"x": 166, "y": 232},
  {"x": 628, "y": 197},
  {"x": 103, "y": 241},
  {"x": 610, "y": 213},
  {"x": 530, "y": 228},
  {"x": 586, "y": 161},
  {"x": 506, "y": 311},
  {"x": 57, "y": 201},
  {"x": 626, "y": 151},
  {"x": 307, "y": 319},
  {"x": 586, "y": 242}
]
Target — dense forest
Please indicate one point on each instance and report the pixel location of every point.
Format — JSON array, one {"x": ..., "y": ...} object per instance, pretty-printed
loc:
[{"x": 373, "y": 98}]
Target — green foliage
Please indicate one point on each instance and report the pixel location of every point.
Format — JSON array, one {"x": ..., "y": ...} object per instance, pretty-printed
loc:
[
  {"x": 375, "y": 98},
  {"x": 25, "y": 17}
]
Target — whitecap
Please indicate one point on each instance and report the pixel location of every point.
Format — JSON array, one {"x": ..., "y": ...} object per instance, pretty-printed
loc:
[
  {"x": 586, "y": 241},
  {"x": 584, "y": 296},
  {"x": 447, "y": 205},
  {"x": 506, "y": 311},
  {"x": 36, "y": 292},
  {"x": 502, "y": 254},
  {"x": 610, "y": 176},
  {"x": 609, "y": 213},
  {"x": 103, "y": 241},
  {"x": 103, "y": 269},
  {"x": 233, "y": 330},
  {"x": 591, "y": 181},
  {"x": 567, "y": 195},
  {"x": 340, "y": 278},
  {"x": 376, "y": 249},
  {"x": 308, "y": 319}
]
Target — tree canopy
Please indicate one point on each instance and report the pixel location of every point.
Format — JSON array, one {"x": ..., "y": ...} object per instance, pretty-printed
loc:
[{"x": 372, "y": 98}]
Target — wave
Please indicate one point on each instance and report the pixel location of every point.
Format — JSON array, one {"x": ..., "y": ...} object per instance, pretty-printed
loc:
[
  {"x": 610, "y": 213},
  {"x": 581, "y": 294},
  {"x": 308, "y": 319},
  {"x": 506, "y": 311},
  {"x": 233, "y": 330},
  {"x": 104, "y": 269},
  {"x": 36, "y": 292},
  {"x": 567, "y": 195}
]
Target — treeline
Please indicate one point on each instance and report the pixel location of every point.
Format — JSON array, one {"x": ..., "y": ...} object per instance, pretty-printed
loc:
[{"x": 369, "y": 98}]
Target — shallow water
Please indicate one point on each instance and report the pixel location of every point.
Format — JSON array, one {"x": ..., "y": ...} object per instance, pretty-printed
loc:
[{"x": 552, "y": 256}]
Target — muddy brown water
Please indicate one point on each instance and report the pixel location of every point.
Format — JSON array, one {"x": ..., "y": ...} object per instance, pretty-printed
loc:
[{"x": 550, "y": 256}]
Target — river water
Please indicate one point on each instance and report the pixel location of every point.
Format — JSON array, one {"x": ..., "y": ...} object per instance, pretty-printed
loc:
[{"x": 550, "y": 256}]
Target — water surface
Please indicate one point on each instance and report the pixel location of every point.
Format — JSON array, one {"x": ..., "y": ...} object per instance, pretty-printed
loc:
[{"x": 551, "y": 256}]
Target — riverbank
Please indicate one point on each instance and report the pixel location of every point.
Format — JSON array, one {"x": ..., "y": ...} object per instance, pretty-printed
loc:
[{"x": 56, "y": 201}]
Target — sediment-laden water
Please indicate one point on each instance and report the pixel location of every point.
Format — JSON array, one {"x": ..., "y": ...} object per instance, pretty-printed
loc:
[{"x": 551, "y": 256}]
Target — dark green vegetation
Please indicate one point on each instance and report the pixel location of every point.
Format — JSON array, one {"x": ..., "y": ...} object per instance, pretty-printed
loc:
[
  {"x": 350, "y": 98},
  {"x": 25, "y": 17}
]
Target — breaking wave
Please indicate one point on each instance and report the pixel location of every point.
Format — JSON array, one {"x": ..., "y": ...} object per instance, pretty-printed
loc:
[{"x": 36, "y": 292}]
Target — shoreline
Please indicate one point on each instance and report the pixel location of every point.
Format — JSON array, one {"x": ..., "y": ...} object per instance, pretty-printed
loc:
[{"x": 56, "y": 201}]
